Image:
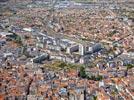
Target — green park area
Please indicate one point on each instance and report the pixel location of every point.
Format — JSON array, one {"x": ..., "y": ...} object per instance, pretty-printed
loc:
[{"x": 60, "y": 65}]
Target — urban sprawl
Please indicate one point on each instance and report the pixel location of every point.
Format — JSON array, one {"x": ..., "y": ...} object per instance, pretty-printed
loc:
[{"x": 66, "y": 50}]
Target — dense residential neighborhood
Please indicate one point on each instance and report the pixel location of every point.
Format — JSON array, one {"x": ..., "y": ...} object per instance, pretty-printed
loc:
[{"x": 66, "y": 50}]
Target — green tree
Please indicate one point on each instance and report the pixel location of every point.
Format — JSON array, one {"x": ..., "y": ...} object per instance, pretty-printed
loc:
[
  {"x": 18, "y": 39},
  {"x": 82, "y": 72},
  {"x": 62, "y": 65},
  {"x": 94, "y": 97},
  {"x": 99, "y": 77},
  {"x": 130, "y": 66}
]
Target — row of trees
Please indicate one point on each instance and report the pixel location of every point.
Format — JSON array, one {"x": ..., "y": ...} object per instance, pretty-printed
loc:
[{"x": 82, "y": 74}]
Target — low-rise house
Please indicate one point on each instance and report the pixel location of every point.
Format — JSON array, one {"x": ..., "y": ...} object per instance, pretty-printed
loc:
[
  {"x": 5, "y": 34},
  {"x": 111, "y": 64},
  {"x": 28, "y": 29},
  {"x": 6, "y": 55},
  {"x": 77, "y": 94},
  {"x": 126, "y": 59},
  {"x": 2, "y": 42}
]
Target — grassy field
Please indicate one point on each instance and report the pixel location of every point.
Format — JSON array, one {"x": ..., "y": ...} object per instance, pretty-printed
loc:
[{"x": 59, "y": 65}]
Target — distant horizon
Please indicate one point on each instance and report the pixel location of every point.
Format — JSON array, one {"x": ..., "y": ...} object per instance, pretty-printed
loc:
[{"x": 4, "y": 0}]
